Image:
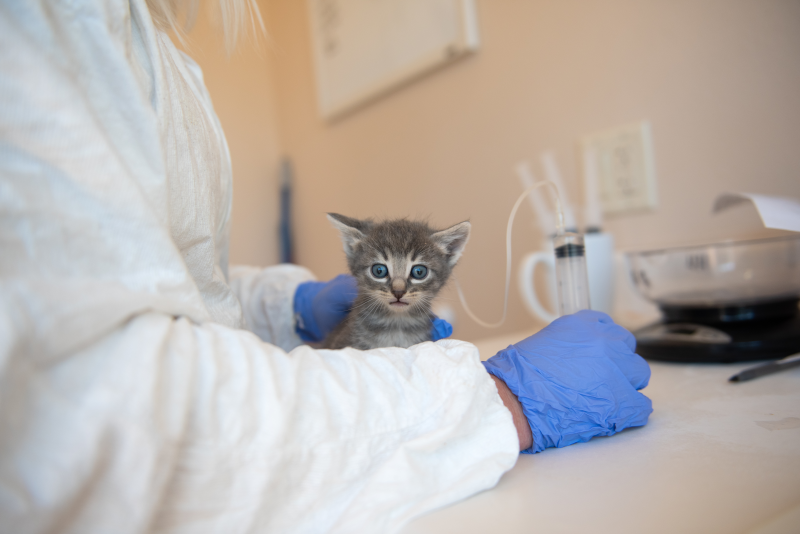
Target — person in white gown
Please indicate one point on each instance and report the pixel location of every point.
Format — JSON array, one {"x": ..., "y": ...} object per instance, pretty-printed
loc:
[{"x": 144, "y": 385}]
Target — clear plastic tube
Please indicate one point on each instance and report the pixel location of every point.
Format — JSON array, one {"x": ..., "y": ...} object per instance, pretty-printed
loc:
[
  {"x": 571, "y": 275},
  {"x": 509, "y": 227}
]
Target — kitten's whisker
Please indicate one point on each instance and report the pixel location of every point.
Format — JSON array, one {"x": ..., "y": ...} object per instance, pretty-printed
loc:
[
  {"x": 424, "y": 301},
  {"x": 362, "y": 305},
  {"x": 373, "y": 309},
  {"x": 368, "y": 301}
]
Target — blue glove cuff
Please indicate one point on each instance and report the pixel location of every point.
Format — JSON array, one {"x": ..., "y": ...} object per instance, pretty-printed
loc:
[{"x": 305, "y": 324}]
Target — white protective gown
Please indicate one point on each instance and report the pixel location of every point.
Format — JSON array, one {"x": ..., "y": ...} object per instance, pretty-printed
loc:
[{"x": 132, "y": 398}]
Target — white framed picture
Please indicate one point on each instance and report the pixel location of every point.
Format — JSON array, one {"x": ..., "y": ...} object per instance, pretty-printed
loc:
[{"x": 365, "y": 48}]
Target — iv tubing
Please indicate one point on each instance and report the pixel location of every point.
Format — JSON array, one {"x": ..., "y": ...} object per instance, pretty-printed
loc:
[{"x": 559, "y": 230}]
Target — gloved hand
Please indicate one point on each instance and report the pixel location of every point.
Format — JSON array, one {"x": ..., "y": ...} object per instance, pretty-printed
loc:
[
  {"x": 320, "y": 306},
  {"x": 440, "y": 329},
  {"x": 575, "y": 379}
]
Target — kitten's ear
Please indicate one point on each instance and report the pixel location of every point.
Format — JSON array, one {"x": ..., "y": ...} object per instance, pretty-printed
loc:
[
  {"x": 352, "y": 230},
  {"x": 453, "y": 240}
]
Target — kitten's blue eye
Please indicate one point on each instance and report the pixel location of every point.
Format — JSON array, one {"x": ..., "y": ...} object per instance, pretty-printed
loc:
[
  {"x": 379, "y": 270},
  {"x": 419, "y": 272}
]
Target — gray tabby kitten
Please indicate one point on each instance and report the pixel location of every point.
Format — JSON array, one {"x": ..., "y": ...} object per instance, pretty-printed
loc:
[{"x": 399, "y": 266}]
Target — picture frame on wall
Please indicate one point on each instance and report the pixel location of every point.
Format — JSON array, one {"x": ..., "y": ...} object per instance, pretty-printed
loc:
[{"x": 364, "y": 49}]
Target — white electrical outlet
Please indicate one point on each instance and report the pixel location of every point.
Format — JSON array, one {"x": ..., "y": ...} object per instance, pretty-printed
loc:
[{"x": 625, "y": 167}]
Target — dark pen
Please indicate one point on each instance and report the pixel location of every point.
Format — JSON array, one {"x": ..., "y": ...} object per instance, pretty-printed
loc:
[{"x": 767, "y": 369}]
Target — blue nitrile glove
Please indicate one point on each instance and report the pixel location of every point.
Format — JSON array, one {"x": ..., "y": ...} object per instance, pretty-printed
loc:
[
  {"x": 440, "y": 329},
  {"x": 576, "y": 379},
  {"x": 320, "y": 306}
]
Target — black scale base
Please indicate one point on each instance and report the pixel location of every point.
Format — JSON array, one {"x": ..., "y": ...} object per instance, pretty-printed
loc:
[{"x": 729, "y": 334}]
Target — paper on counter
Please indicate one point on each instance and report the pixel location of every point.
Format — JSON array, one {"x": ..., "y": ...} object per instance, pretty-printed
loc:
[{"x": 780, "y": 213}]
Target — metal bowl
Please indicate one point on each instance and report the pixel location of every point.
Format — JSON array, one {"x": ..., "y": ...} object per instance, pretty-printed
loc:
[{"x": 730, "y": 273}]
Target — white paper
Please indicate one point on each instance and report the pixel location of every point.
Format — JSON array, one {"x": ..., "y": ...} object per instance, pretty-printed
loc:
[{"x": 780, "y": 213}]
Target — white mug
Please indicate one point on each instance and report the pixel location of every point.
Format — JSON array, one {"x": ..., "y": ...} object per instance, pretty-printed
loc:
[{"x": 600, "y": 268}]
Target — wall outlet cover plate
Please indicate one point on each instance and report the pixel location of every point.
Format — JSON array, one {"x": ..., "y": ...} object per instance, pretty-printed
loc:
[{"x": 626, "y": 167}]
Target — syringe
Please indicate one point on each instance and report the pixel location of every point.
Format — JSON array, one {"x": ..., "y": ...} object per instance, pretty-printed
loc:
[{"x": 571, "y": 276}]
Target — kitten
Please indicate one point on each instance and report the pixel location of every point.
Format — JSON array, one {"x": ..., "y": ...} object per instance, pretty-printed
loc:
[{"x": 399, "y": 266}]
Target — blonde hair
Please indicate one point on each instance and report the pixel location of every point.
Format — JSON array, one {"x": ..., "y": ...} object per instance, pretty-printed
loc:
[{"x": 237, "y": 17}]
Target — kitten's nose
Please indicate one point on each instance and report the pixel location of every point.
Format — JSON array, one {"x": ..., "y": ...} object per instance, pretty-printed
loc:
[{"x": 398, "y": 287}]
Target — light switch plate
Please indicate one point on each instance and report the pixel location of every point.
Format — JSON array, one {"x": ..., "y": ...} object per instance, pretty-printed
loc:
[{"x": 625, "y": 167}]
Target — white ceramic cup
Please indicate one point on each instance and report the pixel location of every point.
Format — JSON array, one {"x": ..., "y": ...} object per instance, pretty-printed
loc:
[{"x": 600, "y": 268}]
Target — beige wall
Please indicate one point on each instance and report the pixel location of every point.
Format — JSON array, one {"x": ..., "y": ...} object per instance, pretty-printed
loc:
[{"x": 719, "y": 81}]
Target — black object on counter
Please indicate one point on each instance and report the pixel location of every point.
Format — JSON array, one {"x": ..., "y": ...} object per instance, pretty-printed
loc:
[
  {"x": 723, "y": 334},
  {"x": 767, "y": 369}
]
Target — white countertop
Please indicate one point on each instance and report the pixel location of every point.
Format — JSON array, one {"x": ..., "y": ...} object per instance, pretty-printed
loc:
[{"x": 715, "y": 457}]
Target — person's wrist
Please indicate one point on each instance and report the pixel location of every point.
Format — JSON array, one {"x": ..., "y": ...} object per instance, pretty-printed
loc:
[{"x": 513, "y": 405}]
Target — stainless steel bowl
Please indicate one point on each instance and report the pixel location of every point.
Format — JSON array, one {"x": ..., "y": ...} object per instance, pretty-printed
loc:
[{"x": 730, "y": 273}]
